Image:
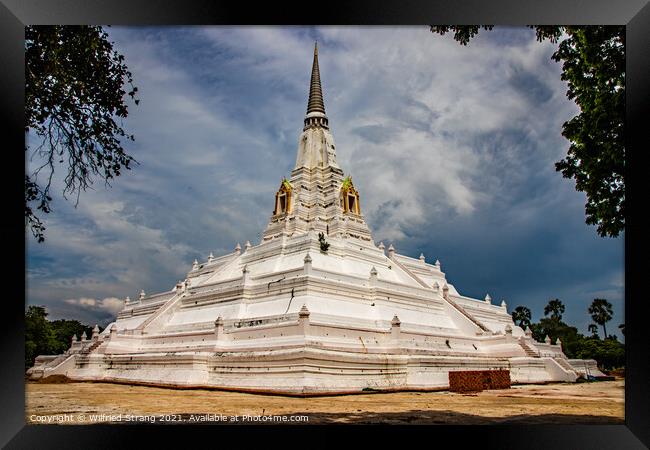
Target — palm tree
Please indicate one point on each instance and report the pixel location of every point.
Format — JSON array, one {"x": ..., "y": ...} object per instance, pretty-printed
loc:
[
  {"x": 601, "y": 312},
  {"x": 593, "y": 329},
  {"x": 522, "y": 315},
  {"x": 556, "y": 308}
]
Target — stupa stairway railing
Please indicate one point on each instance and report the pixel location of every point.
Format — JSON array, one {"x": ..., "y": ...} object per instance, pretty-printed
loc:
[
  {"x": 156, "y": 298},
  {"x": 479, "y": 306},
  {"x": 549, "y": 350},
  {"x": 447, "y": 298},
  {"x": 163, "y": 309},
  {"x": 54, "y": 363},
  {"x": 564, "y": 363},
  {"x": 88, "y": 349},
  {"x": 45, "y": 365},
  {"x": 146, "y": 308},
  {"x": 42, "y": 361},
  {"x": 533, "y": 353},
  {"x": 167, "y": 307}
]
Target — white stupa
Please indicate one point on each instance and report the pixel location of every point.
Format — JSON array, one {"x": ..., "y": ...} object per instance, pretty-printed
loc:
[{"x": 316, "y": 307}]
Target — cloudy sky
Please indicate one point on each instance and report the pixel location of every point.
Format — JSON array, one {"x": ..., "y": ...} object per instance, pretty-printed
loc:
[{"x": 452, "y": 149}]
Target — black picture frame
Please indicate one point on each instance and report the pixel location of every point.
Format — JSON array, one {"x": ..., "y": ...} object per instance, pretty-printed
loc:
[{"x": 14, "y": 14}]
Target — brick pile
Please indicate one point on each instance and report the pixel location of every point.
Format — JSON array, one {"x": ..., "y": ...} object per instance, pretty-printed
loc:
[{"x": 478, "y": 380}]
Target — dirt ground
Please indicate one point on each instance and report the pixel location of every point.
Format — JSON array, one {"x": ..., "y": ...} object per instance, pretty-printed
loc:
[{"x": 86, "y": 403}]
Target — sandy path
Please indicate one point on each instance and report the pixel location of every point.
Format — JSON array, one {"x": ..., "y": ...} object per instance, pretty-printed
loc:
[{"x": 599, "y": 402}]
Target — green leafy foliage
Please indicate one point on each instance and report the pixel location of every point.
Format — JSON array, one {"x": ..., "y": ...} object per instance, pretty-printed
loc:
[
  {"x": 555, "y": 308},
  {"x": 74, "y": 96},
  {"x": 462, "y": 34},
  {"x": 39, "y": 337},
  {"x": 521, "y": 316},
  {"x": 601, "y": 313},
  {"x": 324, "y": 245},
  {"x": 347, "y": 183},
  {"x": 609, "y": 353},
  {"x": 555, "y": 328},
  {"x": 43, "y": 337},
  {"x": 593, "y": 64}
]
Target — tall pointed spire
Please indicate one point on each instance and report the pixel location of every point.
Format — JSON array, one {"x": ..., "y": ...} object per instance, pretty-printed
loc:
[
  {"x": 315, "y": 106},
  {"x": 314, "y": 193},
  {"x": 315, "y": 103}
]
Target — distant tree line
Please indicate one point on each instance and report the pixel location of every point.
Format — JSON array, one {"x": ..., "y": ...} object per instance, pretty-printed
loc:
[
  {"x": 44, "y": 337},
  {"x": 608, "y": 352}
]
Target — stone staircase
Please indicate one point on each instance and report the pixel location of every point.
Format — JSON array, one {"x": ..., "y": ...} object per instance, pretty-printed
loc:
[
  {"x": 564, "y": 364},
  {"x": 529, "y": 351},
  {"x": 446, "y": 298},
  {"x": 38, "y": 372},
  {"x": 92, "y": 347},
  {"x": 58, "y": 360}
]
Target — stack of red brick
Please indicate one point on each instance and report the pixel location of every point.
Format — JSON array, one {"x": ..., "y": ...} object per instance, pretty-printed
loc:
[{"x": 478, "y": 380}]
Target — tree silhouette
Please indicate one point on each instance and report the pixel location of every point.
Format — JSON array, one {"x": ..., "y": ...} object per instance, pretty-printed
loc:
[
  {"x": 555, "y": 308},
  {"x": 43, "y": 337},
  {"x": 593, "y": 329},
  {"x": 522, "y": 315},
  {"x": 593, "y": 64},
  {"x": 73, "y": 96},
  {"x": 601, "y": 313},
  {"x": 622, "y": 328}
]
